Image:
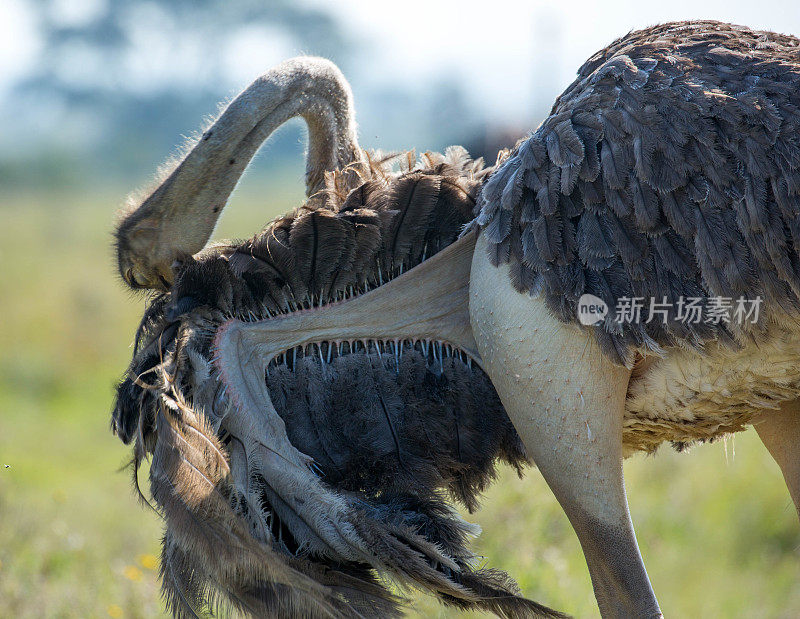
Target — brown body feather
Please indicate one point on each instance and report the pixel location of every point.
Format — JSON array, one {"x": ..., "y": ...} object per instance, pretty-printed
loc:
[{"x": 668, "y": 168}]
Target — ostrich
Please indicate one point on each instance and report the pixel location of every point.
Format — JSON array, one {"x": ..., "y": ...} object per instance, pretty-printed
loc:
[
  {"x": 290, "y": 514},
  {"x": 668, "y": 170}
]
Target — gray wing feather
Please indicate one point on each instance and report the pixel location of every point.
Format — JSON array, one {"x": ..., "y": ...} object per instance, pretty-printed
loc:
[{"x": 668, "y": 168}]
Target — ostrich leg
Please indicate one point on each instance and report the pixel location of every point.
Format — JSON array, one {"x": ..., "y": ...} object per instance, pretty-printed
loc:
[
  {"x": 780, "y": 432},
  {"x": 566, "y": 401}
]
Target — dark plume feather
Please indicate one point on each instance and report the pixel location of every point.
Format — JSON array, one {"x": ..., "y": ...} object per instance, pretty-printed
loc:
[
  {"x": 318, "y": 240},
  {"x": 207, "y": 548},
  {"x": 414, "y": 197}
]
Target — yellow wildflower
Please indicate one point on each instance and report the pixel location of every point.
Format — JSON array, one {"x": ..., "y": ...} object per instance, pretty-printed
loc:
[{"x": 148, "y": 562}]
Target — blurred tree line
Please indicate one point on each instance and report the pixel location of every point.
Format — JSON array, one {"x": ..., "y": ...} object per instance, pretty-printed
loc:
[{"x": 117, "y": 83}]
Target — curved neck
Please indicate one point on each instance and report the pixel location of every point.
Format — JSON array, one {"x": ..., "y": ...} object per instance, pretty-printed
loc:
[{"x": 180, "y": 215}]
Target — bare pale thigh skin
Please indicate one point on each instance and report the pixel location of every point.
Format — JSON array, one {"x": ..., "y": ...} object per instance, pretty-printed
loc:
[
  {"x": 567, "y": 403},
  {"x": 780, "y": 432}
]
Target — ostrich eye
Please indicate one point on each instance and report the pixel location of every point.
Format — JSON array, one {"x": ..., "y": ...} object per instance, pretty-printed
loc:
[
  {"x": 130, "y": 278},
  {"x": 136, "y": 280}
]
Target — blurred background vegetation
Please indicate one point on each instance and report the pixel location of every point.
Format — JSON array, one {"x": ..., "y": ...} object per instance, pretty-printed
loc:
[{"x": 94, "y": 93}]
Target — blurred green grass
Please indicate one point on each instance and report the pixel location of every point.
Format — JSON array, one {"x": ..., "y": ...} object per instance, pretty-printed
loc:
[{"x": 718, "y": 532}]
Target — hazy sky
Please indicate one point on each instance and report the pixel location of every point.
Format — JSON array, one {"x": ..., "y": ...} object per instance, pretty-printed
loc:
[
  {"x": 510, "y": 54},
  {"x": 494, "y": 44}
]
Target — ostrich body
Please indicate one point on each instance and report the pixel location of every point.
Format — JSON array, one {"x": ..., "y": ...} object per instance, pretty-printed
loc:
[{"x": 668, "y": 169}]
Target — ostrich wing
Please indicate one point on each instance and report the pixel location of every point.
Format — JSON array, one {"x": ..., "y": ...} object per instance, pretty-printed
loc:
[
  {"x": 292, "y": 478},
  {"x": 668, "y": 169}
]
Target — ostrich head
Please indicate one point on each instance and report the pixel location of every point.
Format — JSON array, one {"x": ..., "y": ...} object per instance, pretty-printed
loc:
[{"x": 313, "y": 395}]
